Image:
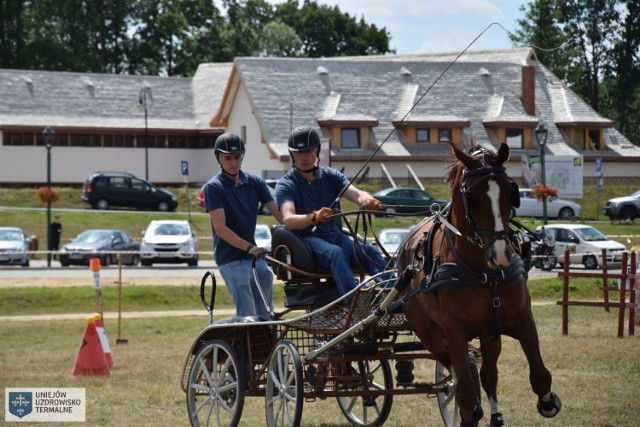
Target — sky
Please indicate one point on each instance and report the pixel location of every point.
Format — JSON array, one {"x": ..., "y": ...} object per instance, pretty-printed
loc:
[{"x": 426, "y": 26}]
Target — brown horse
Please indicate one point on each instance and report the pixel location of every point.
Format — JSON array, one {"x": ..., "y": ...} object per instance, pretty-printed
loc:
[{"x": 470, "y": 282}]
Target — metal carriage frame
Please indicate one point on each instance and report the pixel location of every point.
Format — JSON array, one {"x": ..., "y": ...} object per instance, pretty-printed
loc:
[{"x": 341, "y": 350}]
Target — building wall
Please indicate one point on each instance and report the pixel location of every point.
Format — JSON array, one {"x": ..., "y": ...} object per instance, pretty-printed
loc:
[
  {"x": 71, "y": 165},
  {"x": 258, "y": 157}
]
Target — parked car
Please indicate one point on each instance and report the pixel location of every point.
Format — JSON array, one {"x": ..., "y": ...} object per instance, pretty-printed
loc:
[
  {"x": 14, "y": 246},
  {"x": 105, "y": 189},
  {"x": 558, "y": 208},
  {"x": 627, "y": 207},
  {"x": 390, "y": 239},
  {"x": 169, "y": 241},
  {"x": 584, "y": 243},
  {"x": 95, "y": 244},
  {"x": 406, "y": 200},
  {"x": 263, "y": 236}
]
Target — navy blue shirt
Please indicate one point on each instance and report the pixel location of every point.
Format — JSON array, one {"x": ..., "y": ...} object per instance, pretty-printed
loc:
[
  {"x": 309, "y": 196},
  {"x": 240, "y": 204}
]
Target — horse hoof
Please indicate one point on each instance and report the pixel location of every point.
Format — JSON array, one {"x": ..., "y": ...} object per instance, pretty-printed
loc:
[
  {"x": 496, "y": 420},
  {"x": 551, "y": 407}
]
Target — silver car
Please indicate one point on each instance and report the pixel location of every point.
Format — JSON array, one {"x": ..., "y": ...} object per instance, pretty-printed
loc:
[
  {"x": 558, "y": 208},
  {"x": 169, "y": 241},
  {"x": 14, "y": 246}
]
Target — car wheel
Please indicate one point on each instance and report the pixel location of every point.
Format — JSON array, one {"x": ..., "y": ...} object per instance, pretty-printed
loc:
[
  {"x": 64, "y": 263},
  {"x": 590, "y": 262},
  {"x": 135, "y": 260},
  {"x": 193, "y": 262},
  {"x": 163, "y": 207},
  {"x": 102, "y": 204},
  {"x": 627, "y": 213},
  {"x": 25, "y": 263},
  {"x": 146, "y": 263},
  {"x": 105, "y": 261},
  {"x": 390, "y": 212},
  {"x": 548, "y": 263},
  {"x": 566, "y": 213}
]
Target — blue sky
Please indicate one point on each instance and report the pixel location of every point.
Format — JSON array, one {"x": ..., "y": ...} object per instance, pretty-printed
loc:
[{"x": 424, "y": 26}]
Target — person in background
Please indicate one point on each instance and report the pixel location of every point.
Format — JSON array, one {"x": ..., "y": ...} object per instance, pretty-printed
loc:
[
  {"x": 231, "y": 198},
  {"x": 56, "y": 233},
  {"x": 304, "y": 196}
]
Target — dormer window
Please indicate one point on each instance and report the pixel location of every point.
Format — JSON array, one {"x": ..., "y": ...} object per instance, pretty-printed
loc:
[
  {"x": 350, "y": 138},
  {"x": 444, "y": 135},
  {"x": 515, "y": 138},
  {"x": 423, "y": 135}
]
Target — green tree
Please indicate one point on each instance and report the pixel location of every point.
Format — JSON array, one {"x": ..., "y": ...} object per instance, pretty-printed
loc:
[{"x": 278, "y": 39}]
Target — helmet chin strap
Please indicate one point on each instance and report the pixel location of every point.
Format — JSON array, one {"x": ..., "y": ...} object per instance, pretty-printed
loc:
[{"x": 313, "y": 169}]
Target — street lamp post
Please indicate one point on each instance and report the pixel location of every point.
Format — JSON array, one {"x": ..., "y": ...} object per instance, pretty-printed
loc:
[
  {"x": 541, "y": 133},
  {"x": 142, "y": 101},
  {"x": 47, "y": 135}
]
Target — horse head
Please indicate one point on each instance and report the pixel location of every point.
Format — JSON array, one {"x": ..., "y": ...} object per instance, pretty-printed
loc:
[{"x": 482, "y": 199}]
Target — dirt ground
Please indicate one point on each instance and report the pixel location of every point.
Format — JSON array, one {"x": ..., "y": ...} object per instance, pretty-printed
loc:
[{"x": 67, "y": 282}]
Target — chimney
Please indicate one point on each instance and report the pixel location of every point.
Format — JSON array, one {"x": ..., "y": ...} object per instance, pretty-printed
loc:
[{"x": 529, "y": 89}]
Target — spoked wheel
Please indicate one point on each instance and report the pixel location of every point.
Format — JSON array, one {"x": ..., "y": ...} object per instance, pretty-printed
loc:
[
  {"x": 215, "y": 393},
  {"x": 367, "y": 410},
  {"x": 284, "y": 393},
  {"x": 449, "y": 409}
]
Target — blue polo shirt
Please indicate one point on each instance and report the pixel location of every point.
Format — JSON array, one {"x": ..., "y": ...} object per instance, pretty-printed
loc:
[
  {"x": 309, "y": 196},
  {"x": 240, "y": 204}
]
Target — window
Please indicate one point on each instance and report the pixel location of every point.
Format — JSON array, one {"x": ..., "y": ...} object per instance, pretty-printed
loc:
[
  {"x": 350, "y": 138},
  {"x": 422, "y": 135},
  {"x": 444, "y": 135},
  {"x": 594, "y": 139},
  {"x": 514, "y": 138}
]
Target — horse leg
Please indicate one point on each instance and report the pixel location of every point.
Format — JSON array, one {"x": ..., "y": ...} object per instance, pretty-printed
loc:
[
  {"x": 549, "y": 403},
  {"x": 491, "y": 349},
  {"x": 468, "y": 382}
]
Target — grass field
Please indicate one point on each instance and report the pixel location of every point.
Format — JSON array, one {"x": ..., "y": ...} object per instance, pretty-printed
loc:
[{"x": 596, "y": 374}]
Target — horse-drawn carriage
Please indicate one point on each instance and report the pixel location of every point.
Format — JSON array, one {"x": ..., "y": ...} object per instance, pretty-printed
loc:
[{"x": 458, "y": 275}]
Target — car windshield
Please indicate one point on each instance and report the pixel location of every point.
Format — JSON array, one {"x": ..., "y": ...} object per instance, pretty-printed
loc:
[
  {"x": 590, "y": 234},
  {"x": 394, "y": 237},
  {"x": 10, "y": 235},
  {"x": 169, "y": 230},
  {"x": 636, "y": 194},
  {"x": 93, "y": 236}
]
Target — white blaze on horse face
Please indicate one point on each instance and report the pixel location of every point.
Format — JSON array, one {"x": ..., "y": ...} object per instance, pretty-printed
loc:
[{"x": 499, "y": 250}]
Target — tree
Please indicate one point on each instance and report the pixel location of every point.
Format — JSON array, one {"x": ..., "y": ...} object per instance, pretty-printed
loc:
[{"x": 278, "y": 39}]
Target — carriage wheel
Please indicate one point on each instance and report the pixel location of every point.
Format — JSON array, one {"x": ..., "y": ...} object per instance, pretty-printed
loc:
[
  {"x": 447, "y": 399},
  {"x": 284, "y": 393},
  {"x": 366, "y": 410},
  {"x": 217, "y": 379}
]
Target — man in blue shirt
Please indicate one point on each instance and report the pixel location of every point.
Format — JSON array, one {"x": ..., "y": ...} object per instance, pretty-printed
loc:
[
  {"x": 231, "y": 198},
  {"x": 304, "y": 195}
]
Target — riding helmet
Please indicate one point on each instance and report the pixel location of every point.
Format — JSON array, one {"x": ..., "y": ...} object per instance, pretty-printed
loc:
[
  {"x": 229, "y": 143},
  {"x": 304, "y": 139}
]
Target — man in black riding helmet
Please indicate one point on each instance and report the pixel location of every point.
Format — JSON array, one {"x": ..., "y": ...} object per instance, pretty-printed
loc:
[
  {"x": 231, "y": 198},
  {"x": 308, "y": 195}
]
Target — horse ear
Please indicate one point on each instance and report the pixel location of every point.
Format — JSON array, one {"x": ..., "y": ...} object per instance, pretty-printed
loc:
[
  {"x": 466, "y": 159},
  {"x": 503, "y": 153}
]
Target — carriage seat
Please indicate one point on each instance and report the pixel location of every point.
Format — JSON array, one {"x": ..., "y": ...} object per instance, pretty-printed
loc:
[{"x": 289, "y": 248}]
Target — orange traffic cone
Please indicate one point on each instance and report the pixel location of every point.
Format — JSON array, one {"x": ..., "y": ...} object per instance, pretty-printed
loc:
[
  {"x": 91, "y": 360},
  {"x": 103, "y": 340}
]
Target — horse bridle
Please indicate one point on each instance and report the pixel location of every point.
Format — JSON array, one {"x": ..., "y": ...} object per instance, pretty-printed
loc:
[{"x": 486, "y": 172}]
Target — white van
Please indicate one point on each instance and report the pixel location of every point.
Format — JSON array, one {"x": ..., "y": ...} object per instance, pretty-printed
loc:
[{"x": 584, "y": 243}]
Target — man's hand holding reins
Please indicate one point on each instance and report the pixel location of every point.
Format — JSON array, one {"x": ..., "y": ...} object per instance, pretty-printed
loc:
[
  {"x": 371, "y": 204},
  {"x": 257, "y": 252},
  {"x": 321, "y": 215}
]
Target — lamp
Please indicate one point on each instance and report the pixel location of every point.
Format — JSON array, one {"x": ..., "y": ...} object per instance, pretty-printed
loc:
[
  {"x": 48, "y": 135},
  {"x": 145, "y": 93},
  {"x": 541, "y": 133}
]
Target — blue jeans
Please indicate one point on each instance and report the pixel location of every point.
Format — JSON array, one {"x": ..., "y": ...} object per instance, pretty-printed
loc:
[
  {"x": 335, "y": 252},
  {"x": 243, "y": 288}
]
